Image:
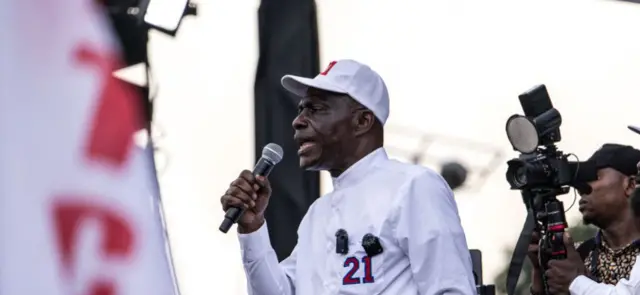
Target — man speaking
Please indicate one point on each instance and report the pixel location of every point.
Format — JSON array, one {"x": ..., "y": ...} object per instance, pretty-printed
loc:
[{"x": 387, "y": 228}]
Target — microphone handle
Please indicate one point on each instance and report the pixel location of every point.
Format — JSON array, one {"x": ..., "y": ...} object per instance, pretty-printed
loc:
[{"x": 233, "y": 214}]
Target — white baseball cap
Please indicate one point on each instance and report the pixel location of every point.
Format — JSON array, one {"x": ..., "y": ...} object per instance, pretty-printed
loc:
[{"x": 350, "y": 77}]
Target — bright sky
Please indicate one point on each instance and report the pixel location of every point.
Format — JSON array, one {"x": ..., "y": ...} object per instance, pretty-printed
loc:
[{"x": 452, "y": 67}]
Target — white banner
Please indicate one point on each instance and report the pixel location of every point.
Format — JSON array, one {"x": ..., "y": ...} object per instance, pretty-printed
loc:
[{"x": 76, "y": 212}]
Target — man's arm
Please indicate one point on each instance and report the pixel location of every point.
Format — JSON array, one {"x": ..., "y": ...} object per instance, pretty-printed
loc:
[
  {"x": 428, "y": 229},
  {"x": 585, "y": 286},
  {"x": 265, "y": 276}
]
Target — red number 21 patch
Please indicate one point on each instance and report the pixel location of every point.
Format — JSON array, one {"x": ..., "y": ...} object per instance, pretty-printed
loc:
[{"x": 353, "y": 265}]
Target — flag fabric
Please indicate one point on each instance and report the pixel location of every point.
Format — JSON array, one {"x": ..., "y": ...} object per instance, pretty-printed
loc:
[{"x": 76, "y": 211}]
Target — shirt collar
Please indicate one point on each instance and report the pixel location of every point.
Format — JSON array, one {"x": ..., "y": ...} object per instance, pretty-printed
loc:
[
  {"x": 602, "y": 243},
  {"x": 359, "y": 169}
]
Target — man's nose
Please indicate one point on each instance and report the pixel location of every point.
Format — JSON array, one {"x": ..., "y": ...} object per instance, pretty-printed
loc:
[{"x": 300, "y": 122}]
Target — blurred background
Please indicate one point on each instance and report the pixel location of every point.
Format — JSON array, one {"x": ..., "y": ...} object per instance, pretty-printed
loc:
[{"x": 454, "y": 70}]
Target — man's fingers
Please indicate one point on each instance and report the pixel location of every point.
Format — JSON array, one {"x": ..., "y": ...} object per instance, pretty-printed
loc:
[
  {"x": 232, "y": 201},
  {"x": 550, "y": 264},
  {"x": 248, "y": 176},
  {"x": 553, "y": 266},
  {"x": 555, "y": 278},
  {"x": 551, "y": 274},
  {"x": 244, "y": 186},
  {"x": 227, "y": 202},
  {"x": 236, "y": 193},
  {"x": 554, "y": 290},
  {"x": 264, "y": 184},
  {"x": 251, "y": 180},
  {"x": 242, "y": 195}
]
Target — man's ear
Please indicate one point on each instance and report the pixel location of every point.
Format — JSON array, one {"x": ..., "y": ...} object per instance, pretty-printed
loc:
[
  {"x": 363, "y": 121},
  {"x": 630, "y": 185}
]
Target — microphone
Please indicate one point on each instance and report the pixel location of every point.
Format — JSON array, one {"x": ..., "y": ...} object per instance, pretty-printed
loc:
[{"x": 271, "y": 155}]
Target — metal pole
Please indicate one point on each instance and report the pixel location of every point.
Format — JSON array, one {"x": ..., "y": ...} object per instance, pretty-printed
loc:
[{"x": 157, "y": 201}]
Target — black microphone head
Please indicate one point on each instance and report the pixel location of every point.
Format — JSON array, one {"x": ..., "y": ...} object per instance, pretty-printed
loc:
[{"x": 273, "y": 153}]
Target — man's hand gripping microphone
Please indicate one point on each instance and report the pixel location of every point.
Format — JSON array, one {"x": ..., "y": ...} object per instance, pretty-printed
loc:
[{"x": 271, "y": 155}]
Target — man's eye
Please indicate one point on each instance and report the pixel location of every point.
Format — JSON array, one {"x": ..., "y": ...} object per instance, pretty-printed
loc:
[
  {"x": 311, "y": 108},
  {"x": 318, "y": 107}
]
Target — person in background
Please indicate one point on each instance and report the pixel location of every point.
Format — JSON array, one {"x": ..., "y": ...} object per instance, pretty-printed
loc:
[
  {"x": 387, "y": 228},
  {"x": 610, "y": 256},
  {"x": 573, "y": 273}
]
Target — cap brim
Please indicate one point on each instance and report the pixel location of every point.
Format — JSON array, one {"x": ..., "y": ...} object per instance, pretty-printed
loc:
[
  {"x": 634, "y": 129},
  {"x": 300, "y": 85}
]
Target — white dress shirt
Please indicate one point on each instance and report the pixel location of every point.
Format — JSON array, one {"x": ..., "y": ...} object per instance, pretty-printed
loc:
[
  {"x": 408, "y": 207},
  {"x": 585, "y": 286}
]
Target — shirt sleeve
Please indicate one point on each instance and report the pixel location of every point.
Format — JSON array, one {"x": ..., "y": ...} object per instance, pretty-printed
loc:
[
  {"x": 585, "y": 286},
  {"x": 265, "y": 276},
  {"x": 429, "y": 231}
]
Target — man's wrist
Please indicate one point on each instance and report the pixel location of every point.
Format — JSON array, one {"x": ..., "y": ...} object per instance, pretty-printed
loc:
[{"x": 247, "y": 229}]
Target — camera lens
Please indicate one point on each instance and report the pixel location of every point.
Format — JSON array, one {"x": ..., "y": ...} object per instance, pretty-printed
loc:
[
  {"x": 520, "y": 177},
  {"x": 518, "y": 173}
]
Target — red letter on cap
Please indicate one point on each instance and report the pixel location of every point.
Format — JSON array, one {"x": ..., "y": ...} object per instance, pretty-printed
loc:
[{"x": 331, "y": 64}]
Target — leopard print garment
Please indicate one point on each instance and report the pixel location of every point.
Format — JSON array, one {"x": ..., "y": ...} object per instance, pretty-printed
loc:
[{"x": 612, "y": 265}]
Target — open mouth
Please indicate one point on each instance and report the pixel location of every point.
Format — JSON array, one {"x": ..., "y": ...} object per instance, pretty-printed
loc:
[{"x": 305, "y": 145}]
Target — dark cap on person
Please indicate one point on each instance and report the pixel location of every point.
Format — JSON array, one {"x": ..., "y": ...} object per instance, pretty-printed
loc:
[{"x": 623, "y": 158}]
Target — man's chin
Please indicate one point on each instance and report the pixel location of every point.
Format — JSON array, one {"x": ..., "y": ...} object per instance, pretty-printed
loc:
[
  {"x": 308, "y": 163},
  {"x": 587, "y": 219}
]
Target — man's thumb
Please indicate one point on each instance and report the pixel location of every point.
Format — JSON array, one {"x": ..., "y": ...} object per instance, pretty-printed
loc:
[
  {"x": 569, "y": 245},
  {"x": 567, "y": 239}
]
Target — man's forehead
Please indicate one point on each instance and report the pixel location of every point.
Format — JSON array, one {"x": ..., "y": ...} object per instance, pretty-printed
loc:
[
  {"x": 311, "y": 99},
  {"x": 319, "y": 95}
]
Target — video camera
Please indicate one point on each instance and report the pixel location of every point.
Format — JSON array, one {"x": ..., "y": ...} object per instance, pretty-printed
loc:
[{"x": 541, "y": 173}]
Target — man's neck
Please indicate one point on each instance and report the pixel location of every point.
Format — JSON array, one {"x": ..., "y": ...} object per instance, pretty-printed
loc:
[
  {"x": 359, "y": 153},
  {"x": 622, "y": 232}
]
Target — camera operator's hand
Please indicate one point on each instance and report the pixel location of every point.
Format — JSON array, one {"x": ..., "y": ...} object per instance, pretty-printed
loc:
[
  {"x": 251, "y": 193},
  {"x": 561, "y": 273},
  {"x": 533, "y": 250},
  {"x": 537, "y": 286}
]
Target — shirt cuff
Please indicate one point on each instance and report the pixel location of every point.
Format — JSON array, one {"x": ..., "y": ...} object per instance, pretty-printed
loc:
[
  {"x": 255, "y": 245},
  {"x": 581, "y": 285}
]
